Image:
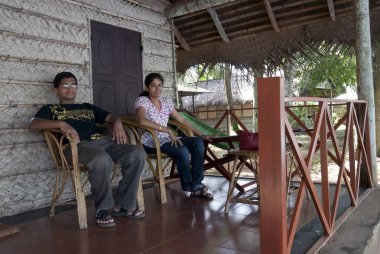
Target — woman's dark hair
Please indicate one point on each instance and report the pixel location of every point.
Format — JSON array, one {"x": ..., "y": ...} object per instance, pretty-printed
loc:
[
  {"x": 149, "y": 79},
  {"x": 58, "y": 78}
]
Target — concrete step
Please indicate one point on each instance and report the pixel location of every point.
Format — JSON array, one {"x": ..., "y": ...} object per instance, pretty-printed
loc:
[{"x": 360, "y": 232}]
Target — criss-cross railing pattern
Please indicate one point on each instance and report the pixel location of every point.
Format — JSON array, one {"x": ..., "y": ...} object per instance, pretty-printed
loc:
[{"x": 350, "y": 158}]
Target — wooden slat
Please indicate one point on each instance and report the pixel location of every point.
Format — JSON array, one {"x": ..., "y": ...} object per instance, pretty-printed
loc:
[
  {"x": 181, "y": 39},
  {"x": 272, "y": 18},
  {"x": 330, "y": 4},
  {"x": 218, "y": 24},
  {"x": 324, "y": 168},
  {"x": 193, "y": 6}
]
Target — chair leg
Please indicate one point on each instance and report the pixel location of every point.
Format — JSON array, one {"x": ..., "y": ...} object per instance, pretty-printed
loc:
[
  {"x": 60, "y": 174},
  {"x": 161, "y": 183},
  {"x": 81, "y": 202},
  {"x": 55, "y": 194},
  {"x": 140, "y": 198}
]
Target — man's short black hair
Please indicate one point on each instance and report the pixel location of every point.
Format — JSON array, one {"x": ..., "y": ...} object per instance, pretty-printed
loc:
[{"x": 58, "y": 78}]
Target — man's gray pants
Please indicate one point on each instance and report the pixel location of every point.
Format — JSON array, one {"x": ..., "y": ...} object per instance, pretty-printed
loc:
[{"x": 99, "y": 157}]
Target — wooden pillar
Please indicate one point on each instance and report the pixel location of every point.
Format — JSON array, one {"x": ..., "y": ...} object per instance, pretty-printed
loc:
[
  {"x": 364, "y": 74},
  {"x": 273, "y": 227},
  {"x": 175, "y": 85}
]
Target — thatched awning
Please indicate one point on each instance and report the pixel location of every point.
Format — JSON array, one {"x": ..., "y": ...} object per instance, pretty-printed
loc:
[
  {"x": 253, "y": 33},
  {"x": 184, "y": 90}
]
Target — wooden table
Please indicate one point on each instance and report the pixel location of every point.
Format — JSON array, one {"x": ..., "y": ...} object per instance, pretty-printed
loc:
[{"x": 251, "y": 196}]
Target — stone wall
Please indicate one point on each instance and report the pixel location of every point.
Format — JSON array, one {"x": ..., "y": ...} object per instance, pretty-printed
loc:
[{"x": 40, "y": 38}]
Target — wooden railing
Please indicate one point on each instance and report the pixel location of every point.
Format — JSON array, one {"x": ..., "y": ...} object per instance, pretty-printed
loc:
[
  {"x": 348, "y": 153},
  {"x": 352, "y": 158}
]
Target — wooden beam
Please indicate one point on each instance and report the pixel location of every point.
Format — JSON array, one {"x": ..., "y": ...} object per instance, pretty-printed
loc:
[
  {"x": 193, "y": 6},
  {"x": 330, "y": 4},
  {"x": 271, "y": 15},
  {"x": 254, "y": 30},
  {"x": 181, "y": 39},
  {"x": 218, "y": 24}
]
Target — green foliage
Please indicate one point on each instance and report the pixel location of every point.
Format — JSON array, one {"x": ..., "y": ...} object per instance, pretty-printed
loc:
[
  {"x": 305, "y": 114},
  {"x": 336, "y": 65},
  {"x": 235, "y": 126},
  {"x": 206, "y": 72}
]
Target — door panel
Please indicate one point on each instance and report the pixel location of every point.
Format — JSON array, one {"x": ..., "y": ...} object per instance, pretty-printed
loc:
[
  {"x": 103, "y": 59},
  {"x": 129, "y": 69},
  {"x": 117, "y": 63},
  {"x": 102, "y": 94},
  {"x": 130, "y": 92}
]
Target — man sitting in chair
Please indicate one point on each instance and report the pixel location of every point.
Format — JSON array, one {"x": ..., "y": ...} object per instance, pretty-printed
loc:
[{"x": 78, "y": 121}]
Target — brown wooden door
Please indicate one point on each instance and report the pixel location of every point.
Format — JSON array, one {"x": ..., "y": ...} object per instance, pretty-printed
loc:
[{"x": 116, "y": 67}]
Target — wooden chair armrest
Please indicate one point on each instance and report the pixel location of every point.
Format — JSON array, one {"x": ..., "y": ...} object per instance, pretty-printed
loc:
[
  {"x": 182, "y": 127},
  {"x": 154, "y": 136},
  {"x": 132, "y": 126},
  {"x": 129, "y": 121},
  {"x": 53, "y": 140}
]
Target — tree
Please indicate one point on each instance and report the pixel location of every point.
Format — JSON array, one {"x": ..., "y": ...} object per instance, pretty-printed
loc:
[
  {"x": 334, "y": 64},
  {"x": 376, "y": 84}
]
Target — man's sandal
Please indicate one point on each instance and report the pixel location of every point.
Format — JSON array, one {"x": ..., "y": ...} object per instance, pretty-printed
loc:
[
  {"x": 202, "y": 193},
  {"x": 135, "y": 215},
  {"x": 104, "y": 219}
]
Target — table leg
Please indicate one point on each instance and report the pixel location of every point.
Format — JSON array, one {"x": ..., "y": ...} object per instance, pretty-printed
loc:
[{"x": 231, "y": 188}]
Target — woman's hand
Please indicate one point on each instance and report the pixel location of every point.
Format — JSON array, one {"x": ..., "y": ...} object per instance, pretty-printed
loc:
[
  {"x": 119, "y": 134},
  {"x": 175, "y": 140}
]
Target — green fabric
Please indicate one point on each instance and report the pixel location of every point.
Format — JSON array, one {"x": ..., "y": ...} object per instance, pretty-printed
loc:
[{"x": 207, "y": 130}]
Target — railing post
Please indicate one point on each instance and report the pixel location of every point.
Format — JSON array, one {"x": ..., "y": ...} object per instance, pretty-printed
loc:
[{"x": 271, "y": 115}]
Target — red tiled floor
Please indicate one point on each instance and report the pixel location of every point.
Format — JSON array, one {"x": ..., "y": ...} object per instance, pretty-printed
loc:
[{"x": 183, "y": 225}]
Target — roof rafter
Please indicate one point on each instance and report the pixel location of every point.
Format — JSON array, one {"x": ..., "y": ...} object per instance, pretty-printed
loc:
[
  {"x": 330, "y": 4},
  {"x": 193, "y": 6},
  {"x": 181, "y": 39},
  {"x": 218, "y": 24},
  {"x": 271, "y": 15}
]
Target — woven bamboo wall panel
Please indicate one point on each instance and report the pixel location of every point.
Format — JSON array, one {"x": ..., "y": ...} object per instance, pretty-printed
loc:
[
  {"x": 21, "y": 160},
  {"x": 158, "y": 48},
  {"x": 40, "y": 38},
  {"x": 19, "y": 136},
  {"x": 170, "y": 93},
  {"x": 33, "y": 49},
  {"x": 168, "y": 77},
  {"x": 44, "y": 27},
  {"x": 157, "y": 63},
  {"x": 131, "y": 10},
  {"x": 36, "y": 94},
  {"x": 40, "y": 72},
  {"x": 79, "y": 14},
  {"x": 26, "y": 94},
  {"x": 25, "y": 192},
  {"x": 16, "y": 118}
]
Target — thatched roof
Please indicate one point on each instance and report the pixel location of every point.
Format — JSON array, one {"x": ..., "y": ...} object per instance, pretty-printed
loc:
[{"x": 251, "y": 33}]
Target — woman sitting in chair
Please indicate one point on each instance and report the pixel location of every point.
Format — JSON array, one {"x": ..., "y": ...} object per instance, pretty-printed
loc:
[{"x": 153, "y": 112}]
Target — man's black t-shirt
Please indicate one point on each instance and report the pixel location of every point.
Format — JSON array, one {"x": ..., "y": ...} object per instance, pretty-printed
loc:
[{"x": 82, "y": 117}]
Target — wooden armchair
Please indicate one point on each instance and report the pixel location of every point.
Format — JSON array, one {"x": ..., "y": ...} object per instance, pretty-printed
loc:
[
  {"x": 155, "y": 161},
  {"x": 71, "y": 169}
]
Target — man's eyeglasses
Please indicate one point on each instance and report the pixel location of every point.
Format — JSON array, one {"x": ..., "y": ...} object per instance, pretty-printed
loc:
[{"x": 67, "y": 86}]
